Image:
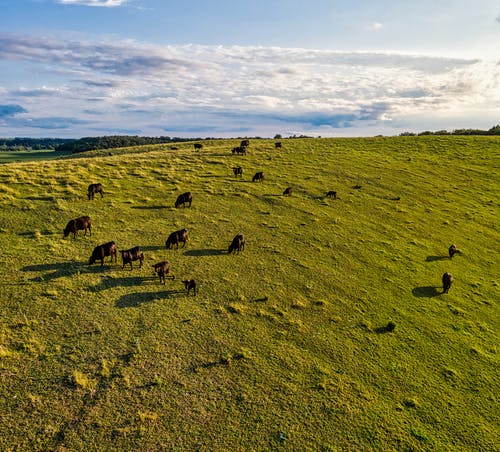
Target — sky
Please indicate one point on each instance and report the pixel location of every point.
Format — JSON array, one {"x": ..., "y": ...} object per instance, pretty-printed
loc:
[{"x": 229, "y": 68}]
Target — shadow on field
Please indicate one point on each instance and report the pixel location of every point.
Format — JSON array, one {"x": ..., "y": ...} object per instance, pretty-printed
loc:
[
  {"x": 133, "y": 300},
  {"x": 149, "y": 207},
  {"x": 205, "y": 252},
  {"x": 110, "y": 282},
  {"x": 435, "y": 258},
  {"x": 58, "y": 269},
  {"x": 152, "y": 247},
  {"x": 426, "y": 291},
  {"x": 34, "y": 234}
]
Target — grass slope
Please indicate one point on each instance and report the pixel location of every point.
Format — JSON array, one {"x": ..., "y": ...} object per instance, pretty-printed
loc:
[{"x": 285, "y": 346}]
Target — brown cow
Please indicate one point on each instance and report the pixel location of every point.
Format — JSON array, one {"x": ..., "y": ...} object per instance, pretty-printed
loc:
[
  {"x": 277, "y": 144},
  {"x": 93, "y": 189},
  {"x": 447, "y": 280},
  {"x": 332, "y": 194},
  {"x": 288, "y": 191},
  {"x": 198, "y": 146},
  {"x": 130, "y": 255},
  {"x": 258, "y": 176},
  {"x": 238, "y": 171},
  {"x": 237, "y": 245},
  {"x": 185, "y": 198},
  {"x": 190, "y": 284},
  {"x": 78, "y": 224},
  {"x": 101, "y": 251},
  {"x": 162, "y": 269},
  {"x": 452, "y": 250},
  {"x": 176, "y": 237}
]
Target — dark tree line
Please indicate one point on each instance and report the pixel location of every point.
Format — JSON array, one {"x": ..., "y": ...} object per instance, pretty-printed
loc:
[
  {"x": 495, "y": 130},
  {"x": 35, "y": 144}
]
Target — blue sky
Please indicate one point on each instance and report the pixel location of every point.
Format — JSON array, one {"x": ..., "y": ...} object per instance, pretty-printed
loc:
[{"x": 196, "y": 68}]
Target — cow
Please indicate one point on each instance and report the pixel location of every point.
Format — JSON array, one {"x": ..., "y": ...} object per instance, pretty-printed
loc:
[
  {"x": 332, "y": 194},
  {"x": 452, "y": 250},
  {"x": 130, "y": 255},
  {"x": 238, "y": 244},
  {"x": 190, "y": 284},
  {"x": 198, "y": 146},
  {"x": 258, "y": 176},
  {"x": 162, "y": 269},
  {"x": 239, "y": 150},
  {"x": 184, "y": 199},
  {"x": 447, "y": 280},
  {"x": 277, "y": 144},
  {"x": 93, "y": 189},
  {"x": 238, "y": 171},
  {"x": 101, "y": 251},
  {"x": 176, "y": 237},
  {"x": 78, "y": 224},
  {"x": 288, "y": 191},
  {"x": 244, "y": 143}
]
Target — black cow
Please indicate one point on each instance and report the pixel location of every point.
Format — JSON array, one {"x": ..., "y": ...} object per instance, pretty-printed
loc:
[
  {"x": 239, "y": 150},
  {"x": 198, "y": 146},
  {"x": 162, "y": 269},
  {"x": 130, "y": 255},
  {"x": 93, "y": 189},
  {"x": 238, "y": 244},
  {"x": 176, "y": 237},
  {"x": 244, "y": 143},
  {"x": 190, "y": 284},
  {"x": 277, "y": 144},
  {"x": 101, "y": 251},
  {"x": 332, "y": 194},
  {"x": 78, "y": 224},
  {"x": 288, "y": 191},
  {"x": 184, "y": 199},
  {"x": 258, "y": 176},
  {"x": 238, "y": 171},
  {"x": 447, "y": 280},
  {"x": 452, "y": 250}
]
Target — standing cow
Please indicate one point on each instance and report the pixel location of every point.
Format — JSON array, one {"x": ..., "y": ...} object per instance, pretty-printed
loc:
[
  {"x": 238, "y": 171},
  {"x": 259, "y": 176},
  {"x": 130, "y": 255},
  {"x": 176, "y": 237},
  {"x": 198, "y": 146},
  {"x": 447, "y": 280},
  {"x": 101, "y": 251},
  {"x": 288, "y": 191},
  {"x": 185, "y": 198},
  {"x": 452, "y": 250},
  {"x": 162, "y": 269},
  {"x": 78, "y": 224},
  {"x": 93, "y": 189},
  {"x": 237, "y": 245}
]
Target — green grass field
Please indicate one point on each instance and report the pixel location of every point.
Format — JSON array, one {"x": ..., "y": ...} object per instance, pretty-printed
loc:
[{"x": 285, "y": 347}]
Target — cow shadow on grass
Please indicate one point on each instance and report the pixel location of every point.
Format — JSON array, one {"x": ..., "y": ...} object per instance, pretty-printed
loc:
[
  {"x": 426, "y": 291},
  {"x": 435, "y": 258},
  {"x": 33, "y": 234},
  {"x": 54, "y": 270},
  {"x": 110, "y": 282},
  {"x": 205, "y": 252},
  {"x": 149, "y": 207},
  {"x": 134, "y": 300},
  {"x": 152, "y": 247}
]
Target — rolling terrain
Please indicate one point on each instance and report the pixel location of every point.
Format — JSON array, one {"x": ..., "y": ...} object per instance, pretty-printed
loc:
[{"x": 289, "y": 344}]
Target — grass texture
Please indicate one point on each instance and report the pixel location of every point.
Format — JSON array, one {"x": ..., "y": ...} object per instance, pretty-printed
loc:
[{"x": 328, "y": 332}]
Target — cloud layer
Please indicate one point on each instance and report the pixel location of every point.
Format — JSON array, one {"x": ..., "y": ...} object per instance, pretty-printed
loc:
[
  {"x": 195, "y": 90},
  {"x": 104, "y": 3}
]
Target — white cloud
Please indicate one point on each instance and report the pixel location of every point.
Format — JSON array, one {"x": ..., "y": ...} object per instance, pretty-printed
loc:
[
  {"x": 376, "y": 26},
  {"x": 104, "y": 3},
  {"x": 257, "y": 89}
]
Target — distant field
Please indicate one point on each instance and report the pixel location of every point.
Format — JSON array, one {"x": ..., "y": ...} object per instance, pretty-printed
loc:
[
  {"x": 21, "y": 156},
  {"x": 287, "y": 345}
]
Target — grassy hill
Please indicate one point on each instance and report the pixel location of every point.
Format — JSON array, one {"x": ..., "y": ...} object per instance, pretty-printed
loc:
[{"x": 286, "y": 345}]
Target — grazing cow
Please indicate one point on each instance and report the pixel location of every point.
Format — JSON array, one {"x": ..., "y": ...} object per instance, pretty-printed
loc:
[
  {"x": 133, "y": 254},
  {"x": 78, "y": 224},
  {"x": 198, "y": 146},
  {"x": 238, "y": 171},
  {"x": 452, "y": 250},
  {"x": 101, "y": 251},
  {"x": 190, "y": 284},
  {"x": 288, "y": 191},
  {"x": 238, "y": 244},
  {"x": 176, "y": 237},
  {"x": 332, "y": 194},
  {"x": 162, "y": 269},
  {"x": 244, "y": 143},
  {"x": 184, "y": 199},
  {"x": 258, "y": 176},
  {"x": 447, "y": 280},
  {"x": 93, "y": 189},
  {"x": 239, "y": 150},
  {"x": 277, "y": 144}
]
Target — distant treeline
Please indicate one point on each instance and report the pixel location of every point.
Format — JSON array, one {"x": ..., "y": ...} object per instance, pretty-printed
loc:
[
  {"x": 35, "y": 144},
  {"x": 495, "y": 130}
]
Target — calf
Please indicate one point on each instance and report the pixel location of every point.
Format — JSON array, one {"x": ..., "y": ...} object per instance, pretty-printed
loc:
[
  {"x": 238, "y": 244},
  {"x": 238, "y": 171},
  {"x": 101, "y": 251},
  {"x": 190, "y": 284},
  {"x": 288, "y": 191},
  {"x": 176, "y": 237},
  {"x": 184, "y": 199},
  {"x": 78, "y": 224},
  {"x": 133, "y": 254},
  {"x": 258, "y": 176},
  {"x": 162, "y": 269},
  {"x": 452, "y": 250},
  {"x": 447, "y": 280},
  {"x": 332, "y": 194},
  {"x": 93, "y": 189}
]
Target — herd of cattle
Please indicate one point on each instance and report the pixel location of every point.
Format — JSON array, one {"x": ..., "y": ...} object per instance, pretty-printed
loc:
[{"x": 162, "y": 269}]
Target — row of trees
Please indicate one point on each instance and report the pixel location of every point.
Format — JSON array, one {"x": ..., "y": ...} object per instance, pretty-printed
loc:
[
  {"x": 495, "y": 130},
  {"x": 35, "y": 144}
]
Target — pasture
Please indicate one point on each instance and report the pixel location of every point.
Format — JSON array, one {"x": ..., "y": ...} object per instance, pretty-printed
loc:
[{"x": 327, "y": 332}]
